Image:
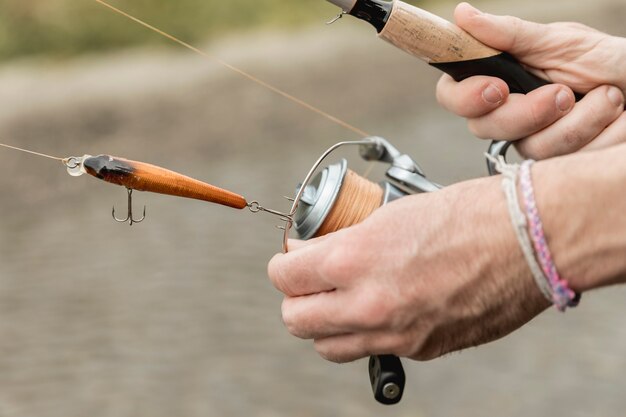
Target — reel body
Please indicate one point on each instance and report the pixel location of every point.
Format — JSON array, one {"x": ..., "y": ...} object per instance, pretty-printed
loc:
[{"x": 336, "y": 198}]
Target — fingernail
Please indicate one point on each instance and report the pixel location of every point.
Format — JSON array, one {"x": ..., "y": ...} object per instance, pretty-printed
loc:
[
  {"x": 615, "y": 96},
  {"x": 492, "y": 94},
  {"x": 564, "y": 100}
]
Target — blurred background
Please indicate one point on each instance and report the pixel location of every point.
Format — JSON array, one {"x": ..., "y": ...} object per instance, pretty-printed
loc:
[{"x": 176, "y": 316}]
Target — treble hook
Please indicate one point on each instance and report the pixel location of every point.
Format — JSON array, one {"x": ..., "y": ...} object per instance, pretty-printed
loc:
[{"x": 129, "y": 217}]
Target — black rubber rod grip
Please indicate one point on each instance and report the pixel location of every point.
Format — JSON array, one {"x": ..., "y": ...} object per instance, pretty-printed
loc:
[{"x": 502, "y": 66}]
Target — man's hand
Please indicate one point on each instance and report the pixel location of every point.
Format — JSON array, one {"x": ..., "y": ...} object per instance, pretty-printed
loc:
[
  {"x": 423, "y": 276},
  {"x": 547, "y": 120}
]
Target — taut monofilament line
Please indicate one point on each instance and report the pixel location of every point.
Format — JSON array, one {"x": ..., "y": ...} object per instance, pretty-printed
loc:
[
  {"x": 15, "y": 148},
  {"x": 239, "y": 71}
]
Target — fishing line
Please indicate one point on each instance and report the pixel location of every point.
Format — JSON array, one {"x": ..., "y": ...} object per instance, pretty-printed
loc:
[
  {"x": 32, "y": 152},
  {"x": 357, "y": 199},
  {"x": 239, "y": 71}
]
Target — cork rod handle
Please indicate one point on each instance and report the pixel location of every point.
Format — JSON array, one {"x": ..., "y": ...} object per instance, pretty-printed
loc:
[
  {"x": 451, "y": 49},
  {"x": 430, "y": 37}
]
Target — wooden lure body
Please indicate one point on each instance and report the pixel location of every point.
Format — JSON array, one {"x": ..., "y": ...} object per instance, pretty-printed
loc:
[{"x": 141, "y": 176}]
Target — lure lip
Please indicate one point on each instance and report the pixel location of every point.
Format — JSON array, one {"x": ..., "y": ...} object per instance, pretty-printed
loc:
[{"x": 109, "y": 168}]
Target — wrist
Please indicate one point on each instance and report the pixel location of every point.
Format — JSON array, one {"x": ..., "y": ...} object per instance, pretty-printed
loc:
[
  {"x": 472, "y": 257},
  {"x": 580, "y": 200}
]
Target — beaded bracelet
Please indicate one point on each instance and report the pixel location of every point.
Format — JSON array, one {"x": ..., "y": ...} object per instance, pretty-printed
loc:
[{"x": 562, "y": 295}]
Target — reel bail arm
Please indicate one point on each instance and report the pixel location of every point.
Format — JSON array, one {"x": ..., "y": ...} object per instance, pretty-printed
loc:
[{"x": 403, "y": 170}]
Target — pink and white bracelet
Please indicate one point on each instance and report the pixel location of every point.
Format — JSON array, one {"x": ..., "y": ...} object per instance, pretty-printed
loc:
[{"x": 562, "y": 295}]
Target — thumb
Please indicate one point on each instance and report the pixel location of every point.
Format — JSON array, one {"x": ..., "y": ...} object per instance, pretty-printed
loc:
[{"x": 505, "y": 33}]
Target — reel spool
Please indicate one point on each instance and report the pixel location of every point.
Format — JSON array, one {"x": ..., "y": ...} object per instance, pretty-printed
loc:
[{"x": 337, "y": 198}]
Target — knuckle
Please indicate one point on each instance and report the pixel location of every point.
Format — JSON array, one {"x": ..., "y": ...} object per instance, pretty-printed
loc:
[
  {"x": 515, "y": 23},
  {"x": 289, "y": 319},
  {"x": 574, "y": 138},
  {"x": 533, "y": 148},
  {"x": 406, "y": 345},
  {"x": 292, "y": 320},
  {"x": 475, "y": 128},
  {"x": 541, "y": 114},
  {"x": 618, "y": 129},
  {"x": 622, "y": 119},
  {"x": 322, "y": 349},
  {"x": 601, "y": 110},
  {"x": 441, "y": 90},
  {"x": 327, "y": 351},
  {"x": 428, "y": 350},
  {"x": 338, "y": 264},
  {"x": 611, "y": 110},
  {"x": 575, "y": 26},
  {"x": 375, "y": 311}
]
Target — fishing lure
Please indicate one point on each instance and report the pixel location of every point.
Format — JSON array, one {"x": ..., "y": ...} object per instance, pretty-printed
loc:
[{"x": 141, "y": 176}]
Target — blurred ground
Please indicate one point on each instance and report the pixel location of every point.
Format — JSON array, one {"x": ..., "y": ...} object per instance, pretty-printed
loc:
[{"x": 175, "y": 317}]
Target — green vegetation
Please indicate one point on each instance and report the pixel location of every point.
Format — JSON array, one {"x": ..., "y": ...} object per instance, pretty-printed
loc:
[{"x": 67, "y": 27}]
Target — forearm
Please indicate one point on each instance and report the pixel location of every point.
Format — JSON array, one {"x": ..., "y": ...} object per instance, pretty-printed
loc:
[{"x": 582, "y": 202}]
